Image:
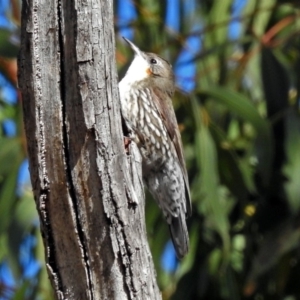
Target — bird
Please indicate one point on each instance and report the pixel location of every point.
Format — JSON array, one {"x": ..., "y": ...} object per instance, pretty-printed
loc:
[{"x": 146, "y": 93}]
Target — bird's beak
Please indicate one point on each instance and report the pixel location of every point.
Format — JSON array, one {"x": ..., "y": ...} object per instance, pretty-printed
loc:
[{"x": 136, "y": 50}]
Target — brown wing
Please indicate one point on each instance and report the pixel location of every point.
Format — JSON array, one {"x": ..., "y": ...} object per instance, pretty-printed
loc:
[{"x": 166, "y": 111}]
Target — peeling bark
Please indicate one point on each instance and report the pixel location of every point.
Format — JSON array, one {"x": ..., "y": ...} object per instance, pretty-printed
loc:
[{"x": 88, "y": 192}]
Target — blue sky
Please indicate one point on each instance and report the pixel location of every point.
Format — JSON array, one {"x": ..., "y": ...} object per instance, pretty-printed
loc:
[{"x": 4, "y": 21}]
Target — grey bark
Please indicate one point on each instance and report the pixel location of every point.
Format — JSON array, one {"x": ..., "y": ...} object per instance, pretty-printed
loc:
[{"x": 88, "y": 192}]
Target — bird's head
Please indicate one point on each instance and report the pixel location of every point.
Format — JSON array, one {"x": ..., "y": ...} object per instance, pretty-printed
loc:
[{"x": 149, "y": 69}]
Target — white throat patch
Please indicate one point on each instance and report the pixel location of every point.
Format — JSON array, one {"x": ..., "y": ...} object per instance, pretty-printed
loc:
[{"x": 137, "y": 70}]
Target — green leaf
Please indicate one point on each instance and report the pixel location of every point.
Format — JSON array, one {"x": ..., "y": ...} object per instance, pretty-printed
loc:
[
  {"x": 9, "y": 43},
  {"x": 292, "y": 167},
  {"x": 212, "y": 205},
  {"x": 21, "y": 292},
  {"x": 240, "y": 105},
  {"x": 221, "y": 12},
  {"x": 8, "y": 195},
  {"x": 21, "y": 223},
  {"x": 9, "y": 153}
]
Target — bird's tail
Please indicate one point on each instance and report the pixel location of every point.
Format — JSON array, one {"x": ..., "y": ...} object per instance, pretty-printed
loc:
[{"x": 179, "y": 235}]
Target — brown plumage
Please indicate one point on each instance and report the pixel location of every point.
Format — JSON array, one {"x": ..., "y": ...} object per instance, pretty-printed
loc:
[{"x": 146, "y": 99}]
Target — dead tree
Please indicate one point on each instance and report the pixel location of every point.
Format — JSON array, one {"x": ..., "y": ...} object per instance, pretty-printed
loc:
[{"x": 88, "y": 191}]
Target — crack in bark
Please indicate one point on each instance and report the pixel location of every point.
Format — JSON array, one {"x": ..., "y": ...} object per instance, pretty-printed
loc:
[{"x": 68, "y": 171}]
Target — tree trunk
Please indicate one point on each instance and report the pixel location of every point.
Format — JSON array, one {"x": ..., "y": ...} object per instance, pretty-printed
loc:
[{"x": 88, "y": 192}]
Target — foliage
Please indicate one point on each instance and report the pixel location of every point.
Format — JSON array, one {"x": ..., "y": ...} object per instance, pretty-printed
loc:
[
  {"x": 239, "y": 115},
  {"x": 237, "y": 67}
]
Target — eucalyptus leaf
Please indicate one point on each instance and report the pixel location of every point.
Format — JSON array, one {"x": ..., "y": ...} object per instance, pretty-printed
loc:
[{"x": 239, "y": 104}]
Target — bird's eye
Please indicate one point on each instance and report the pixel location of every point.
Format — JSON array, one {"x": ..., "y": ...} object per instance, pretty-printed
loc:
[{"x": 153, "y": 61}]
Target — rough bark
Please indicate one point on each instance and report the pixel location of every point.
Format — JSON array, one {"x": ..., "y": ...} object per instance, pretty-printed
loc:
[{"x": 88, "y": 192}]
